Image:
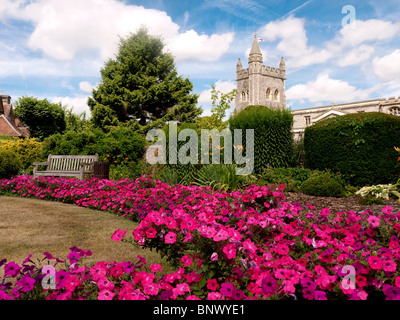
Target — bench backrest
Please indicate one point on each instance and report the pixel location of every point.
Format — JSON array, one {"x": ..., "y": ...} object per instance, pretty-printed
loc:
[{"x": 70, "y": 163}]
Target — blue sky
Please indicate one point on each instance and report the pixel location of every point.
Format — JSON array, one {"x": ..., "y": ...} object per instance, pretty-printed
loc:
[{"x": 55, "y": 49}]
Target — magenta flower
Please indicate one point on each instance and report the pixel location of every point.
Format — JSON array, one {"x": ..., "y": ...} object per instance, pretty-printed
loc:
[
  {"x": 12, "y": 269},
  {"x": 105, "y": 284},
  {"x": 227, "y": 289},
  {"x": 374, "y": 221},
  {"x": 106, "y": 295},
  {"x": 389, "y": 265},
  {"x": 387, "y": 209},
  {"x": 156, "y": 267},
  {"x": 230, "y": 251},
  {"x": 170, "y": 237},
  {"x": 214, "y": 256},
  {"x": 375, "y": 262},
  {"x": 71, "y": 283},
  {"x": 151, "y": 233},
  {"x": 61, "y": 278},
  {"x": 212, "y": 284},
  {"x": 99, "y": 270},
  {"x": 186, "y": 260},
  {"x": 118, "y": 235},
  {"x": 26, "y": 283}
]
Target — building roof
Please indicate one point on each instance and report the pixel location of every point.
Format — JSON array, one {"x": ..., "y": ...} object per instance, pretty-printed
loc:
[{"x": 9, "y": 124}]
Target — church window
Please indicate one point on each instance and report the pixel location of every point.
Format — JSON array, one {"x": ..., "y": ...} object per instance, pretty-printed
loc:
[
  {"x": 276, "y": 95},
  {"x": 395, "y": 111},
  {"x": 243, "y": 96},
  {"x": 268, "y": 96},
  {"x": 308, "y": 120}
]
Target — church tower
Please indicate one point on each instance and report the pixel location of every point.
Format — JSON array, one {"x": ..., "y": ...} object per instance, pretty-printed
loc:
[{"x": 259, "y": 84}]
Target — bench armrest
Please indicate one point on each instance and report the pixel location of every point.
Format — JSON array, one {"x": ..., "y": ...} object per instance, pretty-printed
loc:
[{"x": 40, "y": 164}]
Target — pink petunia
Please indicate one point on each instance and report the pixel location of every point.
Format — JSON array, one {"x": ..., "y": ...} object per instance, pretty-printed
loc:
[
  {"x": 151, "y": 233},
  {"x": 186, "y": 260},
  {"x": 212, "y": 284},
  {"x": 105, "y": 284},
  {"x": 221, "y": 235},
  {"x": 71, "y": 283},
  {"x": 230, "y": 251},
  {"x": 374, "y": 221},
  {"x": 26, "y": 283},
  {"x": 106, "y": 295},
  {"x": 170, "y": 237},
  {"x": 389, "y": 265},
  {"x": 387, "y": 209},
  {"x": 151, "y": 288},
  {"x": 282, "y": 249},
  {"x": 214, "y": 256},
  {"x": 12, "y": 269},
  {"x": 325, "y": 212},
  {"x": 118, "y": 235},
  {"x": 375, "y": 262},
  {"x": 99, "y": 270},
  {"x": 156, "y": 267}
]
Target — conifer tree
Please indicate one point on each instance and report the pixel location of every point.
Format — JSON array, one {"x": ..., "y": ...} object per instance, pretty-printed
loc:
[{"x": 142, "y": 84}]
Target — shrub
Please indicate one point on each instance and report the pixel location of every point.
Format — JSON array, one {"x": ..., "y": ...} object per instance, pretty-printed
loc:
[
  {"x": 28, "y": 149},
  {"x": 359, "y": 146},
  {"x": 273, "y": 137},
  {"x": 322, "y": 186},
  {"x": 10, "y": 164},
  {"x": 119, "y": 141}
]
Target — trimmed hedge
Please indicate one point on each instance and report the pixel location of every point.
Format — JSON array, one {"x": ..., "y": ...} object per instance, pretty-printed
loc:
[
  {"x": 359, "y": 146},
  {"x": 273, "y": 137}
]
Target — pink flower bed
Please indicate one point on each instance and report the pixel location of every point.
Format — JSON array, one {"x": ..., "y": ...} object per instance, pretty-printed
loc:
[{"x": 245, "y": 245}]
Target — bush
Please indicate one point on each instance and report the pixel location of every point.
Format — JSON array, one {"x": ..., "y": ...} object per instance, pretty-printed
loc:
[
  {"x": 10, "y": 164},
  {"x": 322, "y": 186},
  {"x": 359, "y": 146},
  {"x": 28, "y": 150},
  {"x": 119, "y": 142},
  {"x": 273, "y": 137}
]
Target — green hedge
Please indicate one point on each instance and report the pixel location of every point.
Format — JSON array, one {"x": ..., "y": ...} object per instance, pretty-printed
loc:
[
  {"x": 119, "y": 143},
  {"x": 359, "y": 146},
  {"x": 273, "y": 137}
]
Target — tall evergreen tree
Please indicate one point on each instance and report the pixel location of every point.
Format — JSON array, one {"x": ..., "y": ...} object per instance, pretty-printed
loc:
[{"x": 142, "y": 84}]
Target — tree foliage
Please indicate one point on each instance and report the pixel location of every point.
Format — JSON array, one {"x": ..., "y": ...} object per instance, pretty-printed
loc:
[
  {"x": 142, "y": 85},
  {"x": 42, "y": 117}
]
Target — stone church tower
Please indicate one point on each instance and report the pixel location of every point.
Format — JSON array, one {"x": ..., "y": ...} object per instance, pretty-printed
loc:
[{"x": 259, "y": 84}]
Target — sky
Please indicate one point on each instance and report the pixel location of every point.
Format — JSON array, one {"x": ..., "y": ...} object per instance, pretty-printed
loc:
[{"x": 335, "y": 51}]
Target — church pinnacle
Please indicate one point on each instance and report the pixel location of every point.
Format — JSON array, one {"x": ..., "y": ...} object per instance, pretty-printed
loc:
[{"x": 255, "y": 52}]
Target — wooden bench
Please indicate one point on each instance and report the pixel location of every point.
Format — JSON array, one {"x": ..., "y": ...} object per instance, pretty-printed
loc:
[{"x": 66, "y": 166}]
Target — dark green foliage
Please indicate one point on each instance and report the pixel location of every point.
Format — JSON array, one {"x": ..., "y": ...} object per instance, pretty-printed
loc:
[
  {"x": 359, "y": 146},
  {"x": 371, "y": 200},
  {"x": 142, "y": 83},
  {"x": 119, "y": 143},
  {"x": 322, "y": 186},
  {"x": 179, "y": 172},
  {"x": 273, "y": 137},
  {"x": 42, "y": 117},
  {"x": 10, "y": 164}
]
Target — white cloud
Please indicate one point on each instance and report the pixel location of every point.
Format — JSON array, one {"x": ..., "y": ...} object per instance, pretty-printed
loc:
[
  {"x": 191, "y": 45},
  {"x": 63, "y": 29},
  {"x": 364, "y": 31},
  {"x": 325, "y": 89},
  {"x": 85, "y": 86},
  {"x": 356, "y": 56},
  {"x": 387, "y": 67},
  {"x": 293, "y": 42},
  {"x": 78, "y": 103},
  {"x": 222, "y": 86}
]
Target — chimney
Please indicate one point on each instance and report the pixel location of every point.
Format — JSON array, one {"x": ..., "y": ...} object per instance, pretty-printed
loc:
[{"x": 5, "y": 99}]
